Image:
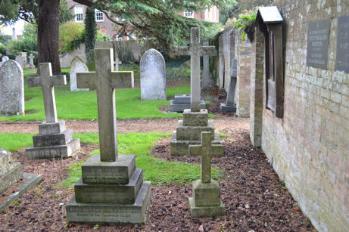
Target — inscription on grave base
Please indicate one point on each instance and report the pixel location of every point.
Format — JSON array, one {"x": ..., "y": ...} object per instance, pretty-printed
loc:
[
  {"x": 318, "y": 40},
  {"x": 342, "y": 60}
]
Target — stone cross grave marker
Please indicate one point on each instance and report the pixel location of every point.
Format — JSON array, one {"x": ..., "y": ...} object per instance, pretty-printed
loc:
[
  {"x": 105, "y": 81},
  {"x": 47, "y": 81},
  {"x": 195, "y": 50},
  {"x": 206, "y": 150}
]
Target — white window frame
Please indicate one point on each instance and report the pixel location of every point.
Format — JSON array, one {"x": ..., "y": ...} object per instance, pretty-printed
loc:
[
  {"x": 79, "y": 14},
  {"x": 188, "y": 14},
  {"x": 99, "y": 16}
]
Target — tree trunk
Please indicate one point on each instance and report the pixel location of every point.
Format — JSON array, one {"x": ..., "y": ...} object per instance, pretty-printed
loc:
[{"x": 48, "y": 33}]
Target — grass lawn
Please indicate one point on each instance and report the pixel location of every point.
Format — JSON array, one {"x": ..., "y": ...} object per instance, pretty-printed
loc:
[
  {"x": 83, "y": 106},
  {"x": 140, "y": 144}
]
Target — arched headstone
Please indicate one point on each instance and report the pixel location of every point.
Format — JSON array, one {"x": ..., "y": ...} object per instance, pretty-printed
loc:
[
  {"x": 77, "y": 66},
  {"x": 11, "y": 88},
  {"x": 153, "y": 75}
]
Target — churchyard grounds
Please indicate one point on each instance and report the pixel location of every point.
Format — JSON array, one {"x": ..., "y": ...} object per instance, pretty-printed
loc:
[{"x": 254, "y": 198}]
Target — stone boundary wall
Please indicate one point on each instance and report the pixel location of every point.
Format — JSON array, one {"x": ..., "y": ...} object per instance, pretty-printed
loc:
[
  {"x": 244, "y": 54},
  {"x": 309, "y": 147}
]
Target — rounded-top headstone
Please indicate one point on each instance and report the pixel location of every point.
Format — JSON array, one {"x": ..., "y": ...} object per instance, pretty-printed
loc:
[
  {"x": 77, "y": 66},
  {"x": 11, "y": 88},
  {"x": 153, "y": 75}
]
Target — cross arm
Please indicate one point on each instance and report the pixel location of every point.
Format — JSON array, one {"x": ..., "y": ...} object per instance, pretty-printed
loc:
[
  {"x": 58, "y": 80},
  {"x": 122, "y": 79},
  {"x": 208, "y": 51},
  {"x": 195, "y": 150},
  {"x": 217, "y": 150},
  {"x": 86, "y": 80},
  {"x": 182, "y": 51}
]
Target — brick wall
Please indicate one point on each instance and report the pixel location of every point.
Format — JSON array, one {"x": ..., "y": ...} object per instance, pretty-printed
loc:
[{"x": 309, "y": 147}]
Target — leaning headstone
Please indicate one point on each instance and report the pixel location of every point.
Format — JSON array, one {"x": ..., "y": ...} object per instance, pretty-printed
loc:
[
  {"x": 153, "y": 75},
  {"x": 230, "y": 106},
  {"x": 77, "y": 66},
  {"x": 54, "y": 140},
  {"x": 11, "y": 88},
  {"x": 207, "y": 81},
  {"x": 112, "y": 189},
  {"x": 195, "y": 120},
  {"x": 10, "y": 174},
  {"x": 205, "y": 201}
]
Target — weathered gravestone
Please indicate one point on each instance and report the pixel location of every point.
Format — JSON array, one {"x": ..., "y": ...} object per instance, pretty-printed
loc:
[
  {"x": 31, "y": 61},
  {"x": 153, "y": 75},
  {"x": 194, "y": 120},
  {"x": 112, "y": 189},
  {"x": 206, "y": 201},
  {"x": 54, "y": 140},
  {"x": 11, "y": 88},
  {"x": 10, "y": 174},
  {"x": 207, "y": 81},
  {"x": 22, "y": 59},
  {"x": 77, "y": 66},
  {"x": 229, "y": 106}
]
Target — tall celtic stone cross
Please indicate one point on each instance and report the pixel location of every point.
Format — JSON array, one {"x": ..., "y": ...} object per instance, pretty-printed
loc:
[
  {"x": 47, "y": 82},
  {"x": 195, "y": 50},
  {"x": 105, "y": 80},
  {"x": 206, "y": 150}
]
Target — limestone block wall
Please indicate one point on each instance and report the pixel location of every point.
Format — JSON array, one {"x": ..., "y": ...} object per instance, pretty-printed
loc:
[
  {"x": 244, "y": 53},
  {"x": 309, "y": 146}
]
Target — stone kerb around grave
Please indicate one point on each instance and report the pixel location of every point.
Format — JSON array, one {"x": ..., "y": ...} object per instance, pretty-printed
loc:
[
  {"x": 11, "y": 88},
  {"x": 153, "y": 75}
]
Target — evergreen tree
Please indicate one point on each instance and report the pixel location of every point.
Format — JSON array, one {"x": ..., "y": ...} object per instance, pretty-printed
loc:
[{"x": 90, "y": 36}]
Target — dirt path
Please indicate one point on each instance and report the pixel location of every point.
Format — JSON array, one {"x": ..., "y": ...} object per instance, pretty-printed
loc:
[{"x": 160, "y": 125}]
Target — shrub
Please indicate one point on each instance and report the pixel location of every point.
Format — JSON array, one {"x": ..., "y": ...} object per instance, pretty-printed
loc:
[
  {"x": 28, "y": 42},
  {"x": 245, "y": 23},
  {"x": 71, "y": 35}
]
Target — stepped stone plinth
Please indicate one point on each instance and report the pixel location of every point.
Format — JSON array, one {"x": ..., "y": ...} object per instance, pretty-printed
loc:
[
  {"x": 110, "y": 192},
  {"x": 53, "y": 141},
  {"x": 189, "y": 132}
]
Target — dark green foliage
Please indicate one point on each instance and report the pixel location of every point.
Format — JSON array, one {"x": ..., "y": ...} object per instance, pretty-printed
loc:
[
  {"x": 90, "y": 35},
  {"x": 65, "y": 14}
]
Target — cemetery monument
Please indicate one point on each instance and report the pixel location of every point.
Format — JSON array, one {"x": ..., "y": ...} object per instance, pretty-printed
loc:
[
  {"x": 11, "y": 89},
  {"x": 153, "y": 75},
  {"x": 77, "y": 66},
  {"x": 195, "y": 120},
  {"x": 229, "y": 106},
  {"x": 112, "y": 189},
  {"x": 54, "y": 140},
  {"x": 205, "y": 201}
]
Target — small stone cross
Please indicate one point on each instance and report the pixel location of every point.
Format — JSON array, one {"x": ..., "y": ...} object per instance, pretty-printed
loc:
[
  {"x": 47, "y": 81},
  {"x": 206, "y": 150},
  {"x": 105, "y": 80},
  {"x": 195, "y": 50}
]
